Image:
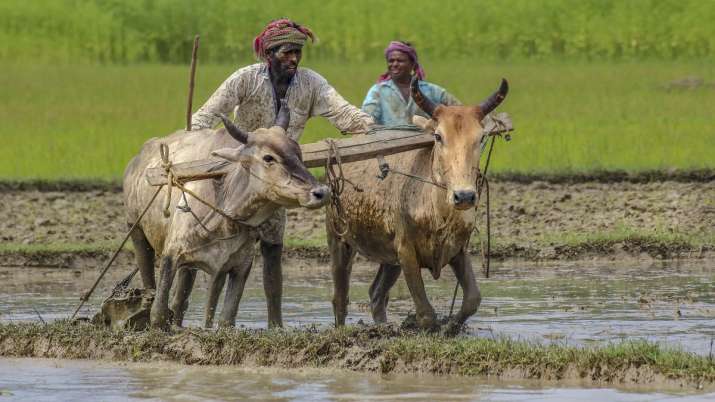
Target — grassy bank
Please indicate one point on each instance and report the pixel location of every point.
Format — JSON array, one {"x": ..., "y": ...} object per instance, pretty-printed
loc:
[
  {"x": 384, "y": 349},
  {"x": 85, "y": 122}
]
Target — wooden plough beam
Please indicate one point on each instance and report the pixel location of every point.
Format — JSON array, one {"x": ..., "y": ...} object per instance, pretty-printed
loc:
[{"x": 352, "y": 149}]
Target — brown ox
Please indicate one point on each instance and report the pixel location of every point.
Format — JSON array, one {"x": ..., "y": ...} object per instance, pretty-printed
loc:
[
  {"x": 267, "y": 173},
  {"x": 406, "y": 224}
]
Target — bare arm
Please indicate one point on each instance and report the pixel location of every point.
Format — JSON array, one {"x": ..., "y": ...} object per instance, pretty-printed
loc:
[{"x": 341, "y": 114}]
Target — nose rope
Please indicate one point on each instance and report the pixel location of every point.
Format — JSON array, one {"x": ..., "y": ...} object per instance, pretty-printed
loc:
[{"x": 385, "y": 169}]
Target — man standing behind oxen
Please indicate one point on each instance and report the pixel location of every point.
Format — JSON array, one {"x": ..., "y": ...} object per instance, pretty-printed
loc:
[
  {"x": 255, "y": 92},
  {"x": 389, "y": 101}
]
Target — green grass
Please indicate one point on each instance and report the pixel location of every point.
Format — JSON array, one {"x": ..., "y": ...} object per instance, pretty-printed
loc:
[
  {"x": 376, "y": 348},
  {"x": 87, "y": 121},
  {"x": 36, "y": 248}
]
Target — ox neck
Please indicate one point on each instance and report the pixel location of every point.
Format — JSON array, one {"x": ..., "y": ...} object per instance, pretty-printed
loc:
[{"x": 241, "y": 199}]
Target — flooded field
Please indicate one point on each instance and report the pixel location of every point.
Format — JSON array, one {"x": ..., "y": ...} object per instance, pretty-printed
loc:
[
  {"x": 52, "y": 380},
  {"x": 575, "y": 303}
]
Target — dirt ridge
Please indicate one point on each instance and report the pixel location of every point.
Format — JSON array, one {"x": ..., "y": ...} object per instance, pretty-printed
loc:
[
  {"x": 599, "y": 176},
  {"x": 385, "y": 349},
  {"x": 641, "y": 248}
]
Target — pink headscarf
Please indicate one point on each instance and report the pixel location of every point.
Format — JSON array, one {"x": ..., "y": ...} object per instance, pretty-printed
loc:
[{"x": 410, "y": 52}]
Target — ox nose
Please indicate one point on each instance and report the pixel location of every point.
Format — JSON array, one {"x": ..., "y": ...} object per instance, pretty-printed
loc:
[
  {"x": 464, "y": 197},
  {"x": 319, "y": 193}
]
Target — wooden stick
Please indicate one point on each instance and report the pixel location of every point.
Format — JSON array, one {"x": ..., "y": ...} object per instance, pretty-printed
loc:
[{"x": 192, "y": 75}]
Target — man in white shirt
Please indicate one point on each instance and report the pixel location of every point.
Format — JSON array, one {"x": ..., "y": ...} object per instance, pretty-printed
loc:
[{"x": 254, "y": 92}]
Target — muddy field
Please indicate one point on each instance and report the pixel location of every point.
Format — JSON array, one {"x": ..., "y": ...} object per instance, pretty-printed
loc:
[
  {"x": 592, "y": 323},
  {"x": 537, "y": 220}
]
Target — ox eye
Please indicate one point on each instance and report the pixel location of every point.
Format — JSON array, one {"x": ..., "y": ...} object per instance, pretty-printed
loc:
[
  {"x": 268, "y": 158},
  {"x": 437, "y": 137}
]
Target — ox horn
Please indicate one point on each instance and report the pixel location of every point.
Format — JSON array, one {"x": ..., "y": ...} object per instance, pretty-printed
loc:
[
  {"x": 420, "y": 100},
  {"x": 495, "y": 99},
  {"x": 283, "y": 116},
  {"x": 233, "y": 129}
]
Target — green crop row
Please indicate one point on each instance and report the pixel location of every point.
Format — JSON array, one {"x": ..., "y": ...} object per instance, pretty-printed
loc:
[{"x": 128, "y": 31}]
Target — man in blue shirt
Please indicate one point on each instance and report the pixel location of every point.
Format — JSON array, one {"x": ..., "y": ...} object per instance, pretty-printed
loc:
[{"x": 389, "y": 101}]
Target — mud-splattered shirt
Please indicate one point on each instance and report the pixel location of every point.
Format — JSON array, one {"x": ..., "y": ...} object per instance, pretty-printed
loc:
[
  {"x": 385, "y": 103},
  {"x": 249, "y": 93}
]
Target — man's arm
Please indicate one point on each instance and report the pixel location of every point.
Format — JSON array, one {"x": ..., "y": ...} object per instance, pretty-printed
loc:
[
  {"x": 223, "y": 100},
  {"x": 345, "y": 117}
]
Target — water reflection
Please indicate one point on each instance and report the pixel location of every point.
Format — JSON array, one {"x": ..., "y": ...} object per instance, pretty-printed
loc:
[{"x": 53, "y": 380}]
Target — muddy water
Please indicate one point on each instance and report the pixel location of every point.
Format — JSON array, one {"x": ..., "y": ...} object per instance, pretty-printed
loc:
[
  {"x": 575, "y": 303},
  {"x": 54, "y": 380}
]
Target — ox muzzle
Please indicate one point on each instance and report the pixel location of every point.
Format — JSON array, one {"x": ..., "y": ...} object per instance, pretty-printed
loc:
[
  {"x": 318, "y": 196},
  {"x": 464, "y": 199}
]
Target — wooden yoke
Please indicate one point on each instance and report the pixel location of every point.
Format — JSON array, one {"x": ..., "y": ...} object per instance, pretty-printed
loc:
[{"x": 352, "y": 149}]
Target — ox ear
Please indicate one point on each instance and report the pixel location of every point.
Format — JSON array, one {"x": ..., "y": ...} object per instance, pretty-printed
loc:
[
  {"x": 230, "y": 154},
  {"x": 424, "y": 123}
]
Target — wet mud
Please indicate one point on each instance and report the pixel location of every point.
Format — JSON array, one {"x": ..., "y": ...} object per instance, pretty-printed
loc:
[{"x": 542, "y": 220}]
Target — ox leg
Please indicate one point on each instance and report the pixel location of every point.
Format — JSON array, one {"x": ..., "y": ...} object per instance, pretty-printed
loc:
[
  {"x": 144, "y": 255},
  {"x": 380, "y": 291},
  {"x": 341, "y": 262},
  {"x": 426, "y": 317},
  {"x": 160, "y": 307},
  {"x": 234, "y": 291},
  {"x": 273, "y": 281},
  {"x": 462, "y": 267},
  {"x": 182, "y": 290},
  {"x": 215, "y": 288}
]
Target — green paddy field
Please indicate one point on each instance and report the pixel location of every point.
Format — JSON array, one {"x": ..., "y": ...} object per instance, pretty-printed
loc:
[
  {"x": 594, "y": 83},
  {"x": 87, "y": 121}
]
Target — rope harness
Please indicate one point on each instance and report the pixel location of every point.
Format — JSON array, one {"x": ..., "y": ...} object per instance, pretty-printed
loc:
[
  {"x": 336, "y": 181},
  {"x": 171, "y": 181}
]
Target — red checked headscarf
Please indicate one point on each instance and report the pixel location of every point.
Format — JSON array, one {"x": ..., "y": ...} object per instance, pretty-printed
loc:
[
  {"x": 280, "y": 32},
  {"x": 410, "y": 52}
]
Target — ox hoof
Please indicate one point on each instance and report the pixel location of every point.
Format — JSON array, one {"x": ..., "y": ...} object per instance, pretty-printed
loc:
[
  {"x": 425, "y": 323},
  {"x": 453, "y": 328},
  {"x": 162, "y": 321},
  {"x": 226, "y": 324}
]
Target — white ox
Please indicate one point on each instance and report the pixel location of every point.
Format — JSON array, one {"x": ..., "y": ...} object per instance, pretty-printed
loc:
[{"x": 267, "y": 173}]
